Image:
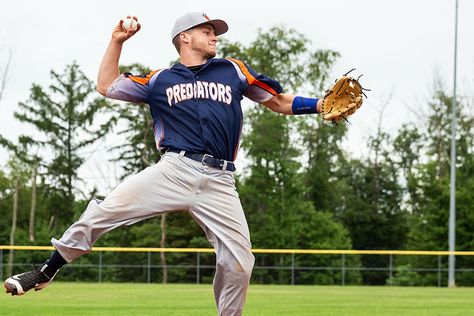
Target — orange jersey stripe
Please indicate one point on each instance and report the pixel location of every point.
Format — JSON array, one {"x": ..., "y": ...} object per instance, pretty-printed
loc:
[
  {"x": 245, "y": 71},
  {"x": 143, "y": 80},
  {"x": 251, "y": 79}
]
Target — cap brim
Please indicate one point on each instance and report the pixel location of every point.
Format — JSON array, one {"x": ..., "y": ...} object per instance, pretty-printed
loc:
[{"x": 219, "y": 26}]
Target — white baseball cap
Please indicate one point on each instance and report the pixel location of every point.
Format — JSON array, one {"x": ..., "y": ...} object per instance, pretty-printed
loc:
[{"x": 193, "y": 19}]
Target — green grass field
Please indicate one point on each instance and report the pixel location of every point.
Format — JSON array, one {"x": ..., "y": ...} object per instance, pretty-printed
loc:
[{"x": 154, "y": 299}]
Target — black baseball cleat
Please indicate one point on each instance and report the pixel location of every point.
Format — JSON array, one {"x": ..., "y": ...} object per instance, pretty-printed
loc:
[{"x": 21, "y": 283}]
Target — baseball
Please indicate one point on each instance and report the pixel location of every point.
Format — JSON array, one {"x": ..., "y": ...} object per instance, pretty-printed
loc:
[{"x": 129, "y": 24}]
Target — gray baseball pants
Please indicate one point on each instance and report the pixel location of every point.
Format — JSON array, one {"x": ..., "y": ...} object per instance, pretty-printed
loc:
[{"x": 177, "y": 183}]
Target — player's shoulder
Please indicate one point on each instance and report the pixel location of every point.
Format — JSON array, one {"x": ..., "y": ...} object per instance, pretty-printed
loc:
[
  {"x": 229, "y": 60},
  {"x": 245, "y": 73},
  {"x": 237, "y": 64},
  {"x": 144, "y": 78}
]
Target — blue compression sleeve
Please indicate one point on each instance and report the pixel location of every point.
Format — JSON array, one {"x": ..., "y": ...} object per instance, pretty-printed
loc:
[{"x": 303, "y": 105}]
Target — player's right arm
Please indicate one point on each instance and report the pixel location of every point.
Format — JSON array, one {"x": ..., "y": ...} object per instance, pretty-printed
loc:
[{"x": 109, "y": 67}]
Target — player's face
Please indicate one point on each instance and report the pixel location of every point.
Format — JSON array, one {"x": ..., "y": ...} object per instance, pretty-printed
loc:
[{"x": 204, "y": 40}]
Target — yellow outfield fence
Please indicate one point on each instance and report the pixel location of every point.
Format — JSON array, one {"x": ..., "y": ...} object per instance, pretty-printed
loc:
[
  {"x": 268, "y": 251},
  {"x": 295, "y": 264}
]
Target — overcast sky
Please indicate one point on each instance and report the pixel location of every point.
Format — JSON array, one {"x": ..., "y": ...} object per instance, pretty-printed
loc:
[{"x": 398, "y": 45}]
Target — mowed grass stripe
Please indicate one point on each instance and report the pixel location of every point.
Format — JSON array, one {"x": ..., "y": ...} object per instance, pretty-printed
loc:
[{"x": 188, "y": 299}]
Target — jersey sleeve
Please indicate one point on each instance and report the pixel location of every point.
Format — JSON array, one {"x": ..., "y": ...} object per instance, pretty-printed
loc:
[
  {"x": 257, "y": 87},
  {"x": 130, "y": 88}
]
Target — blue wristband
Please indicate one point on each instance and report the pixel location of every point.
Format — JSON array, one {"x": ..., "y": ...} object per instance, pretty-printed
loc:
[{"x": 303, "y": 105}]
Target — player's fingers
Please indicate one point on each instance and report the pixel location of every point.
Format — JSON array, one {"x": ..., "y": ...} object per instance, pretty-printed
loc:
[
  {"x": 118, "y": 28},
  {"x": 120, "y": 23},
  {"x": 130, "y": 32}
]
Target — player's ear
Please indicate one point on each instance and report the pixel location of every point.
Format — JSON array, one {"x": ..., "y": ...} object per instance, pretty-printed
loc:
[{"x": 184, "y": 36}]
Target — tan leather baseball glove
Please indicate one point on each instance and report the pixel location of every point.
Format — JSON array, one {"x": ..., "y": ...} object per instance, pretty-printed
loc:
[{"x": 342, "y": 99}]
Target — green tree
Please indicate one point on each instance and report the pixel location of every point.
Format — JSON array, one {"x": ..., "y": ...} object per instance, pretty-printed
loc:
[
  {"x": 32, "y": 161},
  {"x": 19, "y": 175},
  {"x": 6, "y": 195},
  {"x": 409, "y": 148},
  {"x": 66, "y": 119},
  {"x": 372, "y": 209},
  {"x": 429, "y": 224},
  {"x": 324, "y": 164}
]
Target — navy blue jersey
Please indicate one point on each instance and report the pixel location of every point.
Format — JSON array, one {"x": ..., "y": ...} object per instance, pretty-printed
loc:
[{"x": 197, "y": 112}]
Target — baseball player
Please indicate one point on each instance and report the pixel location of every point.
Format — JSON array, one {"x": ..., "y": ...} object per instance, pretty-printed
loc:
[{"x": 197, "y": 117}]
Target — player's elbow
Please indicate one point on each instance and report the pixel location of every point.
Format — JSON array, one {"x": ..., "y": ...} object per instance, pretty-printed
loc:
[
  {"x": 280, "y": 103},
  {"x": 102, "y": 89}
]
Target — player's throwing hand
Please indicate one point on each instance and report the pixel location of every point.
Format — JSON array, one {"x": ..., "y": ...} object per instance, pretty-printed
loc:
[{"x": 126, "y": 28}]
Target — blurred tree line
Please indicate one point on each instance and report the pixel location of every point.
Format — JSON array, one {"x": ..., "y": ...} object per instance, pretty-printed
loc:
[{"x": 299, "y": 189}]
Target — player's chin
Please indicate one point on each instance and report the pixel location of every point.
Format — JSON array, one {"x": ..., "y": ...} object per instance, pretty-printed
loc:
[{"x": 211, "y": 53}]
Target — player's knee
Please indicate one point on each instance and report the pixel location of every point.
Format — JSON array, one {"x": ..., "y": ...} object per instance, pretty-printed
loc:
[
  {"x": 244, "y": 269},
  {"x": 248, "y": 264},
  {"x": 238, "y": 269}
]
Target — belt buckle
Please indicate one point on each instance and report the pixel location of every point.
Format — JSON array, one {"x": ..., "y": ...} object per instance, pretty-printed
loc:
[{"x": 204, "y": 157}]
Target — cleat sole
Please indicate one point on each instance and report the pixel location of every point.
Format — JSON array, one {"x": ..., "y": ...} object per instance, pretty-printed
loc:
[{"x": 10, "y": 289}]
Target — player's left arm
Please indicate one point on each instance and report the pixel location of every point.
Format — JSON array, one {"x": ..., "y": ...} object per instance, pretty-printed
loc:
[
  {"x": 293, "y": 105},
  {"x": 267, "y": 91}
]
